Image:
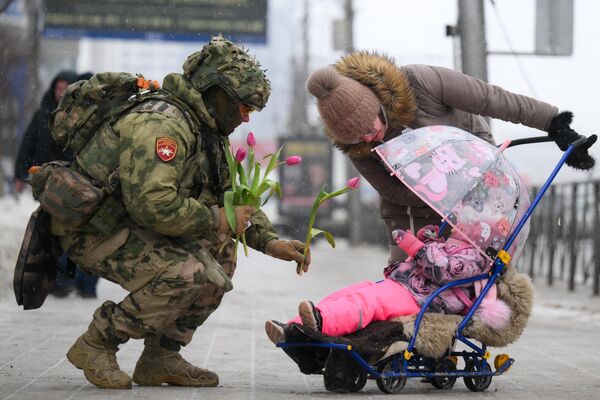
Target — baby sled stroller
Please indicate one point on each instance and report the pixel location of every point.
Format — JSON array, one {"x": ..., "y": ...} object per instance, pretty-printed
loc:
[{"x": 491, "y": 209}]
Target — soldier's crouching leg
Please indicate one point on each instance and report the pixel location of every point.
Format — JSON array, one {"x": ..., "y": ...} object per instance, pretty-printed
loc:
[
  {"x": 164, "y": 281},
  {"x": 161, "y": 362},
  {"x": 96, "y": 356}
]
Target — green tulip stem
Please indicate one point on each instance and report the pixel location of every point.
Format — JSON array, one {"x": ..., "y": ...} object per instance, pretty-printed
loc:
[{"x": 244, "y": 244}]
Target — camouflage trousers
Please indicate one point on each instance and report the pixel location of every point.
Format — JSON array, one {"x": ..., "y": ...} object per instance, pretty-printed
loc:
[{"x": 174, "y": 283}]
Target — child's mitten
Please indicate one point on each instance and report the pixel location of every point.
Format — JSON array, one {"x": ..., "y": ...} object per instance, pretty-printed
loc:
[
  {"x": 407, "y": 241},
  {"x": 428, "y": 232}
]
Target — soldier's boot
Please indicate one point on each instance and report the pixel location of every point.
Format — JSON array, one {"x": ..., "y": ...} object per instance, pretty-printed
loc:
[
  {"x": 98, "y": 359},
  {"x": 158, "y": 365}
]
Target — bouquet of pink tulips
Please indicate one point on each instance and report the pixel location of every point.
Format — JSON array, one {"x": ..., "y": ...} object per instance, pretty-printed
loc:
[
  {"x": 321, "y": 198},
  {"x": 248, "y": 187}
]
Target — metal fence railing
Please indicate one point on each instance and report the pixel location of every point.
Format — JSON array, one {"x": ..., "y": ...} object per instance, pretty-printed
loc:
[{"x": 564, "y": 242}]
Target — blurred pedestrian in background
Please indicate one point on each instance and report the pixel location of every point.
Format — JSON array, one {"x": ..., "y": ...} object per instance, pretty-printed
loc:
[{"x": 38, "y": 146}]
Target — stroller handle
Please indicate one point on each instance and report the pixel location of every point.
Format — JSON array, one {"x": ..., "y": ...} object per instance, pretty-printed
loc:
[
  {"x": 579, "y": 142},
  {"x": 541, "y": 139}
]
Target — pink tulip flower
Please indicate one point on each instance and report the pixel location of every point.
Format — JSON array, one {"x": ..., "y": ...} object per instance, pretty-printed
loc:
[
  {"x": 293, "y": 160},
  {"x": 353, "y": 183},
  {"x": 251, "y": 140},
  {"x": 240, "y": 154}
]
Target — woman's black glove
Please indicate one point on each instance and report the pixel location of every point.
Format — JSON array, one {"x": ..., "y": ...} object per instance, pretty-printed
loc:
[{"x": 560, "y": 131}]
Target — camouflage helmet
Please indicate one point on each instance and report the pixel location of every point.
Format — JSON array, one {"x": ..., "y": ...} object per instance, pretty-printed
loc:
[{"x": 229, "y": 66}]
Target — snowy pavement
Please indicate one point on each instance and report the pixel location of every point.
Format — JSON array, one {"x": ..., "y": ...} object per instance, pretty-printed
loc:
[{"x": 557, "y": 357}]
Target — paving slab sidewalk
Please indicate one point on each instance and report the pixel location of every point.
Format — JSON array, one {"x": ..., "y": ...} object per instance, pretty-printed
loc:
[{"x": 557, "y": 357}]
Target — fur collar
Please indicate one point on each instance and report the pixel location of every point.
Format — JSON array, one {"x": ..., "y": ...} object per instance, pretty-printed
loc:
[{"x": 391, "y": 86}]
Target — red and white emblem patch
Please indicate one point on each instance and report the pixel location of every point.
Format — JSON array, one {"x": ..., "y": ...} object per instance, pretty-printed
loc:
[{"x": 166, "y": 148}]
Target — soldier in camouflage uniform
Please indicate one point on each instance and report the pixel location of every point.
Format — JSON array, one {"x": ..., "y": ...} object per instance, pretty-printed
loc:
[{"x": 160, "y": 234}]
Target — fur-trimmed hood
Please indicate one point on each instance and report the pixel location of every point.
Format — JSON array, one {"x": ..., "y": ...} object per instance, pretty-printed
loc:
[{"x": 390, "y": 85}]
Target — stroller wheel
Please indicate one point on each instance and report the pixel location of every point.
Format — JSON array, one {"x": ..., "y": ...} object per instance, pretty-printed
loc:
[
  {"x": 444, "y": 383},
  {"x": 333, "y": 385},
  {"x": 342, "y": 374},
  {"x": 477, "y": 383},
  {"x": 390, "y": 385},
  {"x": 360, "y": 382}
]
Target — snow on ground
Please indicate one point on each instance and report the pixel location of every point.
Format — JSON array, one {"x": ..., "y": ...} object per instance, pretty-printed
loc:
[
  {"x": 578, "y": 307},
  {"x": 14, "y": 213}
]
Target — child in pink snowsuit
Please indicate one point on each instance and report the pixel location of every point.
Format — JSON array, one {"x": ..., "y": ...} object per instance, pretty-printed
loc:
[{"x": 432, "y": 263}]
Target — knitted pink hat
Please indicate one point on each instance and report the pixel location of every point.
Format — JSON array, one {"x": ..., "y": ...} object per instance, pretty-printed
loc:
[{"x": 347, "y": 107}]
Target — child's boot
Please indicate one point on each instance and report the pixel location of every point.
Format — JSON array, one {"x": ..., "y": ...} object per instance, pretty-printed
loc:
[
  {"x": 274, "y": 330},
  {"x": 310, "y": 316}
]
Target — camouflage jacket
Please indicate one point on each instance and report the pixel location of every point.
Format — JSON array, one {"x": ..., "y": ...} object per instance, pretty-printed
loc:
[{"x": 172, "y": 169}]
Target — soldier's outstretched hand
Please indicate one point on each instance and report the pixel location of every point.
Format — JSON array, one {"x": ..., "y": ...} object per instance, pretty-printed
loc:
[
  {"x": 288, "y": 250},
  {"x": 242, "y": 217}
]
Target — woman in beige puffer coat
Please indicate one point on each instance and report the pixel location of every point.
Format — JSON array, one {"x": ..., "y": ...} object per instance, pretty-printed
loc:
[{"x": 365, "y": 99}]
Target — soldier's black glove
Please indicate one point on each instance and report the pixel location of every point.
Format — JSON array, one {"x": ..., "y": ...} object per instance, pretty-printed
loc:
[{"x": 561, "y": 132}]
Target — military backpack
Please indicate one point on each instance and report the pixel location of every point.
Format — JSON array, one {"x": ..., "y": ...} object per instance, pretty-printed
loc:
[
  {"x": 75, "y": 193},
  {"x": 84, "y": 117},
  {"x": 83, "y": 124}
]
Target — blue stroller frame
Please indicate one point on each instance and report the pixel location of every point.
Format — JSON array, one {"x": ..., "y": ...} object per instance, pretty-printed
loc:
[{"x": 391, "y": 373}]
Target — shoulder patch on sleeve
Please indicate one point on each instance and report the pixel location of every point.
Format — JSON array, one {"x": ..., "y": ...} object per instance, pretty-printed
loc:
[{"x": 166, "y": 148}]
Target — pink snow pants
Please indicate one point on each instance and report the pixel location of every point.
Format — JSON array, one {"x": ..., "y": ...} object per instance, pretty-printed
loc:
[{"x": 356, "y": 306}]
